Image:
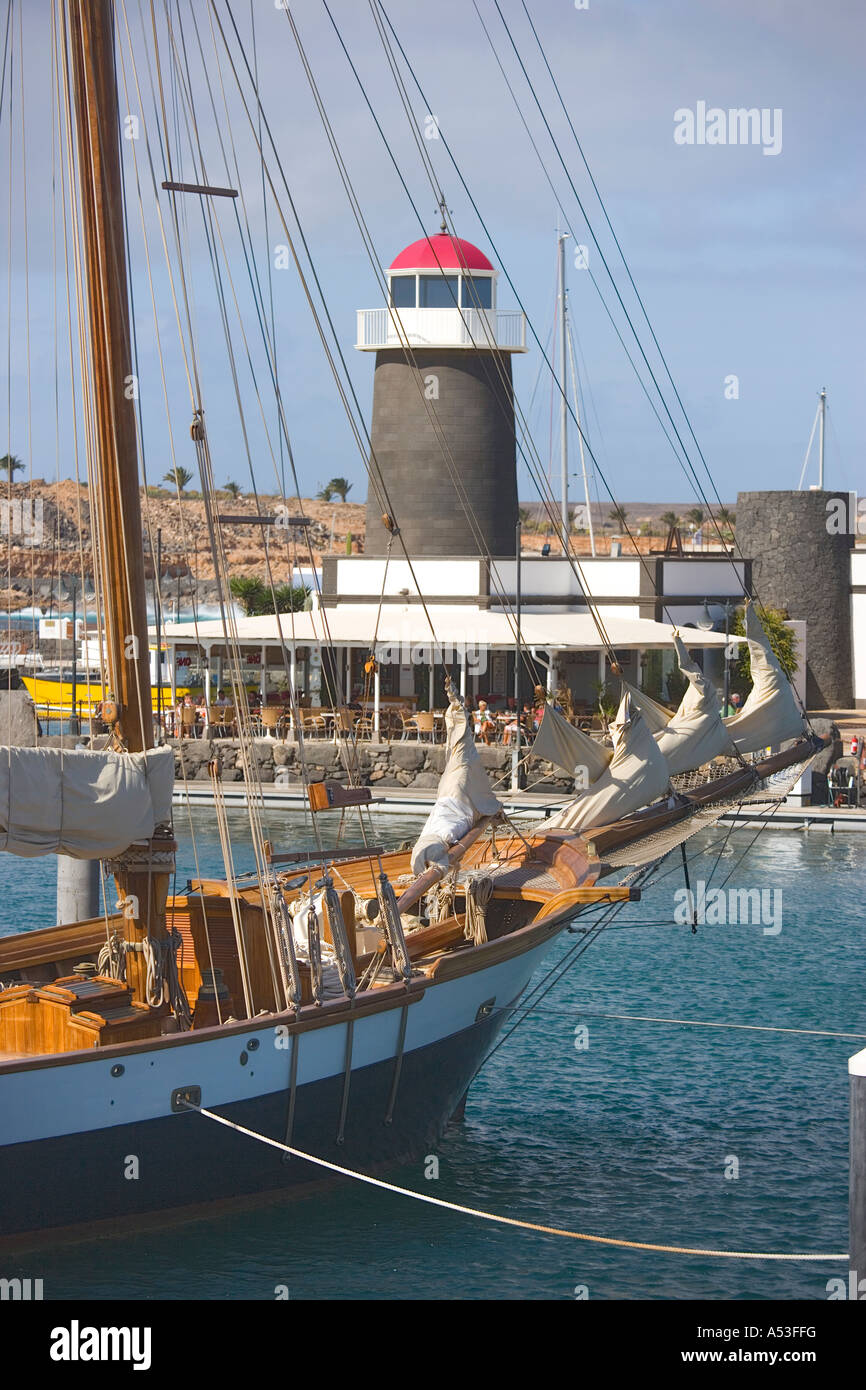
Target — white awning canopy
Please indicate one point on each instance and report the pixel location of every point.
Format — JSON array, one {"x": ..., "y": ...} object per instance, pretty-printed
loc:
[{"x": 455, "y": 625}]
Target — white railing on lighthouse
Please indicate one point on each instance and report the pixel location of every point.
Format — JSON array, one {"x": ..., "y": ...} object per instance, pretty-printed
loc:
[{"x": 461, "y": 328}]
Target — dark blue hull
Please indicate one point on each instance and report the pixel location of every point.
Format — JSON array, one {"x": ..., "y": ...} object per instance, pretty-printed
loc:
[{"x": 187, "y": 1160}]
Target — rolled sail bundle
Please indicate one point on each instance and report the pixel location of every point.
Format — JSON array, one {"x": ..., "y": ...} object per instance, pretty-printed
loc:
[
  {"x": 654, "y": 715},
  {"x": 636, "y": 775},
  {"x": 82, "y": 804},
  {"x": 696, "y": 734},
  {"x": 575, "y": 752},
  {"x": 464, "y": 794},
  {"x": 770, "y": 714}
]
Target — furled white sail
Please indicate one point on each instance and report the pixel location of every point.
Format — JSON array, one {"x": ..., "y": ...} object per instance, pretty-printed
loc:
[
  {"x": 696, "y": 733},
  {"x": 82, "y": 804},
  {"x": 770, "y": 714},
  {"x": 636, "y": 775},
  {"x": 464, "y": 794},
  {"x": 560, "y": 743},
  {"x": 655, "y": 716}
]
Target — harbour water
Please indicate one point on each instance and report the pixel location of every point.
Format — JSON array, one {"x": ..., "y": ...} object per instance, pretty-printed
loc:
[{"x": 721, "y": 1138}]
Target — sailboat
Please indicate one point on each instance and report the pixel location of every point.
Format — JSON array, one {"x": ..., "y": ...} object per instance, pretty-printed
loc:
[{"x": 338, "y": 1003}]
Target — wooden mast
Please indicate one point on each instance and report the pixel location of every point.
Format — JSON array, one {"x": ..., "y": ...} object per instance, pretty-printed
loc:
[{"x": 90, "y": 27}]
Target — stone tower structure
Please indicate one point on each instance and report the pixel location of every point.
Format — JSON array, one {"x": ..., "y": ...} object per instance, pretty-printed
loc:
[{"x": 800, "y": 544}]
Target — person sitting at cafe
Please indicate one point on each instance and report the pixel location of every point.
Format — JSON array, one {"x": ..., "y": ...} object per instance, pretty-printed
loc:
[
  {"x": 526, "y": 726},
  {"x": 540, "y": 699},
  {"x": 485, "y": 724},
  {"x": 564, "y": 702}
]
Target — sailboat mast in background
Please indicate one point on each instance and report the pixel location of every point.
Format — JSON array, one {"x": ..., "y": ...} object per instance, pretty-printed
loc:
[
  {"x": 567, "y": 347},
  {"x": 563, "y": 348}
]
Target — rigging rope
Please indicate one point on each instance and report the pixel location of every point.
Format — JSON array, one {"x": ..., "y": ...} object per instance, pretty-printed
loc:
[
  {"x": 533, "y": 464},
  {"x": 555, "y": 523}
]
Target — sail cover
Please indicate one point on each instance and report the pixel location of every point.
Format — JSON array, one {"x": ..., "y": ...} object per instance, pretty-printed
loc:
[
  {"x": 655, "y": 716},
  {"x": 636, "y": 775},
  {"x": 86, "y": 805},
  {"x": 696, "y": 733},
  {"x": 464, "y": 793},
  {"x": 770, "y": 714},
  {"x": 560, "y": 743}
]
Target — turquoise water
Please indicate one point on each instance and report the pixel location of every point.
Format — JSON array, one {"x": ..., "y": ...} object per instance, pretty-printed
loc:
[{"x": 630, "y": 1137}]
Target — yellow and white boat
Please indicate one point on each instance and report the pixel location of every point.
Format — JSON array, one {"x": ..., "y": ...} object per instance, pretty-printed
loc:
[{"x": 52, "y": 692}]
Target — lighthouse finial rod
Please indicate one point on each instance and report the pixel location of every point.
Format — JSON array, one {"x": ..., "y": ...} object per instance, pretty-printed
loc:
[{"x": 443, "y": 226}]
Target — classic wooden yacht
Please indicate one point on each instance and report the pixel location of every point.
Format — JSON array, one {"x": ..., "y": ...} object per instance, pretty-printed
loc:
[
  {"x": 341, "y": 1006},
  {"x": 340, "y": 1003}
]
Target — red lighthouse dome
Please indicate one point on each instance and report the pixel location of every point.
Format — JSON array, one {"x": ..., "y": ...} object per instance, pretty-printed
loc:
[{"x": 441, "y": 252}]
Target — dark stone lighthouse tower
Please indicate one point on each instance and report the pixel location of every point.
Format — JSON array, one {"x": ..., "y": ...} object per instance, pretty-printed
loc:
[{"x": 443, "y": 420}]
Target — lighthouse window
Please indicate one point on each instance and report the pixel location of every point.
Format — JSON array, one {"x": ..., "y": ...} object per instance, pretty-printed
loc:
[
  {"x": 477, "y": 292},
  {"x": 438, "y": 292},
  {"x": 403, "y": 291}
]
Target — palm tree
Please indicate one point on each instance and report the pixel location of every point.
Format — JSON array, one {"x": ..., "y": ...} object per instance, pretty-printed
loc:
[
  {"x": 233, "y": 489},
  {"x": 618, "y": 515},
  {"x": 339, "y": 486},
  {"x": 726, "y": 518},
  {"x": 179, "y": 477},
  {"x": 289, "y": 598},
  {"x": 11, "y": 464},
  {"x": 325, "y": 493},
  {"x": 670, "y": 519},
  {"x": 257, "y": 600},
  {"x": 249, "y": 591},
  {"x": 695, "y": 516}
]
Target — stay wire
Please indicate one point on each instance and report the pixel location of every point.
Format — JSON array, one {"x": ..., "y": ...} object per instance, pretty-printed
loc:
[
  {"x": 406, "y": 347},
  {"x": 523, "y": 437},
  {"x": 688, "y": 464},
  {"x": 627, "y": 268},
  {"x": 550, "y": 507},
  {"x": 345, "y": 386},
  {"x": 534, "y": 467}
]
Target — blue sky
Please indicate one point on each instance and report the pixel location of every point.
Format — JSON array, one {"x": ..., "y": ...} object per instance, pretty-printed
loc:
[{"x": 749, "y": 264}]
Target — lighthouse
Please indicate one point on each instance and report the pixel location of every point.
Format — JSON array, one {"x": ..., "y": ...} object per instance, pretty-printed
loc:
[{"x": 443, "y": 413}]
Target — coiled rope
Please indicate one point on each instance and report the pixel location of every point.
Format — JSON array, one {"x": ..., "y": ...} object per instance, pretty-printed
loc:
[{"x": 504, "y": 1220}]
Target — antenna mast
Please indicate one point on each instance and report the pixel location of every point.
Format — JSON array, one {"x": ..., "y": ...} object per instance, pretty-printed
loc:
[{"x": 821, "y": 439}]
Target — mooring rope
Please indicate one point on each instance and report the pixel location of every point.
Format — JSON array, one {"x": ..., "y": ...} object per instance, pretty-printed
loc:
[
  {"x": 502, "y": 1220},
  {"x": 700, "y": 1023}
]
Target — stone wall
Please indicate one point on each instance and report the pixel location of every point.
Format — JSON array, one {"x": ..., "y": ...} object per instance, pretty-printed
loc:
[
  {"x": 18, "y": 723},
  {"x": 800, "y": 565},
  {"x": 415, "y": 765}
]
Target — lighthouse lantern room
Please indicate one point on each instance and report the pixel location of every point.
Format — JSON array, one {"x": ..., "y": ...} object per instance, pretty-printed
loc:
[{"x": 441, "y": 293}]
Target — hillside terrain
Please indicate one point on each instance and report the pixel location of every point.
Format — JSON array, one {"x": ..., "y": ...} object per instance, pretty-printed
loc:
[{"x": 64, "y": 512}]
